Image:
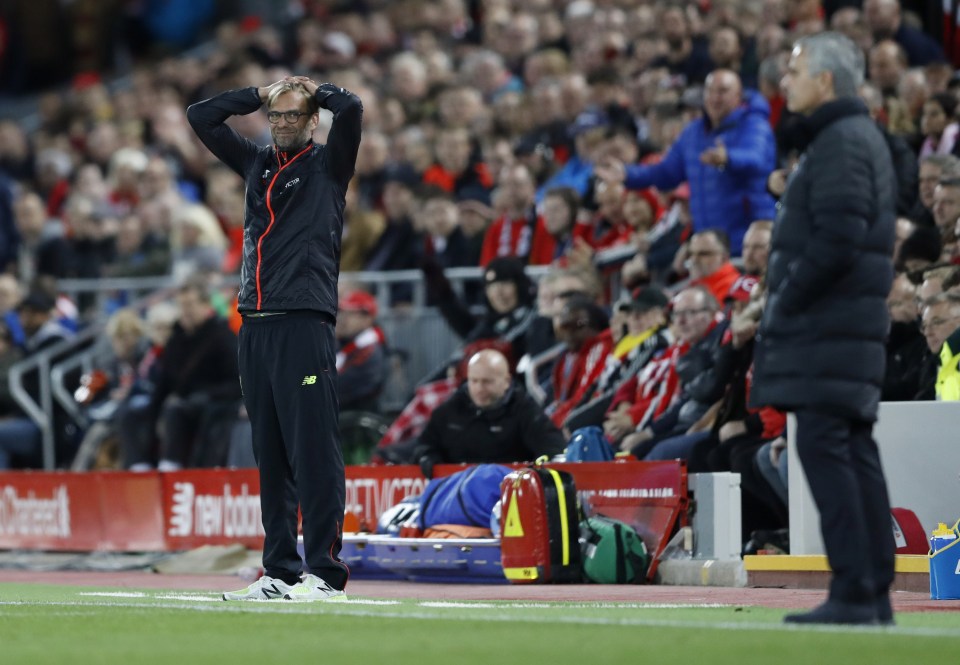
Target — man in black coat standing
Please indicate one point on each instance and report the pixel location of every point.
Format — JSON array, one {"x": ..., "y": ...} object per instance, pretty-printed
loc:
[{"x": 820, "y": 347}]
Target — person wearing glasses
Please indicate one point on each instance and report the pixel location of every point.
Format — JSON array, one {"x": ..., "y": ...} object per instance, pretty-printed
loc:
[
  {"x": 293, "y": 222},
  {"x": 941, "y": 328},
  {"x": 676, "y": 388}
]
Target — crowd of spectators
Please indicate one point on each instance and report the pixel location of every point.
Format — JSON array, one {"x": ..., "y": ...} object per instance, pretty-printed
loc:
[{"x": 635, "y": 149}]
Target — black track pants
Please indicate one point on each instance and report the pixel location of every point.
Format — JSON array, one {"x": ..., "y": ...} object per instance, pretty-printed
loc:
[
  {"x": 289, "y": 380},
  {"x": 842, "y": 463}
]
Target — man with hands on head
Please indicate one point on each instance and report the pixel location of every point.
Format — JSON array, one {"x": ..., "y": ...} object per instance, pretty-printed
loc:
[{"x": 293, "y": 222}]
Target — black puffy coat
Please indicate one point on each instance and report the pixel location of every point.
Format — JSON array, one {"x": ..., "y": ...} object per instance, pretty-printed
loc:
[{"x": 821, "y": 339}]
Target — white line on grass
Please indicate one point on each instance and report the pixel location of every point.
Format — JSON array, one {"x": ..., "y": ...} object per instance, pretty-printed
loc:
[
  {"x": 472, "y": 606},
  {"x": 341, "y": 608}
]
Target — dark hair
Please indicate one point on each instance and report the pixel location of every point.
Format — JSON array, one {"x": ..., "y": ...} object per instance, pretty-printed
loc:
[
  {"x": 596, "y": 316},
  {"x": 511, "y": 269},
  {"x": 570, "y": 197},
  {"x": 431, "y": 192},
  {"x": 719, "y": 234},
  {"x": 924, "y": 243},
  {"x": 947, "y": 101},
  {"x": 605, "y": 75}
]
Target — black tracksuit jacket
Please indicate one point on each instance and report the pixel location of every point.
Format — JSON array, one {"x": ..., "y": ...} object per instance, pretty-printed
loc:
[{"x": 291, "y": 258}]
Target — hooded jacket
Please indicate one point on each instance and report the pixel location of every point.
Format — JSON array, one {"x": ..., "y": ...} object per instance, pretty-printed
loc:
[
  {"x": 727, "y": 198},
  {"x": 293, "y": 209}
]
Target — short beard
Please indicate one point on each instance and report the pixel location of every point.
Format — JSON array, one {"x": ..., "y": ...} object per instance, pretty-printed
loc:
[{"x": 297, "y": 140}]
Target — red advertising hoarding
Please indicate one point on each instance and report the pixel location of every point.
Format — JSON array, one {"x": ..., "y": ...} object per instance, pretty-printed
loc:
[{"x": 120, "y": 511}]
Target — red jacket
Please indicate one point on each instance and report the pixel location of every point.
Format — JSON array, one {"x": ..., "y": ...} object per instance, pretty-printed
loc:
[
  {"x": 656, "y": 386},
  {"x": 525, "y": 237},
  {"x": 570, "y": 385},
  {"x": 719, "y": 283},
  {"x": 599, "y": 233}
]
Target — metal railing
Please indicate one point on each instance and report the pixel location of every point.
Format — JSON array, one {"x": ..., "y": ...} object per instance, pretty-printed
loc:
[
  {"x": 41, "y": 410},
  {"x": 419, "y": 332},
  {"x": 379, "y": 283}
]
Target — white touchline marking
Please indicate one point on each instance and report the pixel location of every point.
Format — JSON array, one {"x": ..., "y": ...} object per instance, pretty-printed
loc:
[
  {"x": 199, "y": 599},
  {"x": 342, "y": 609},
  {"x": 467, "y": 605},
  {"x": 114, "y": 594}
]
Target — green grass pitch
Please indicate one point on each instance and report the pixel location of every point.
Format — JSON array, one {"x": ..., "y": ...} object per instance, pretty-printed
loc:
[{"x": 72, "y": 624}]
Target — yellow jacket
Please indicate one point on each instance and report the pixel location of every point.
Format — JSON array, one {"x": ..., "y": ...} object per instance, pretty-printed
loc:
[{"x": 948, "y": 377}]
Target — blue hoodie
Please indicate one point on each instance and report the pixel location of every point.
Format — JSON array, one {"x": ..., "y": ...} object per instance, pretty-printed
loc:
[{"x": 729, "y": 198}]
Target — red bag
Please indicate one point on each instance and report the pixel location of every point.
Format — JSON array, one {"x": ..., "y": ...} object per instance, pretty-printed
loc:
[
  {"x": 908, "y": 533},
  {"x": 539, "y": 527}
]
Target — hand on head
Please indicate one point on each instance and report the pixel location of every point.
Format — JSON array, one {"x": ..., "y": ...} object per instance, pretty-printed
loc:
[{"x": 305, "y": 81}]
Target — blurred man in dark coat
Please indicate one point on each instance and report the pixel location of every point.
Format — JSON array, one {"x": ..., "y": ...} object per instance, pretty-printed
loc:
[
  {"x": 487, "y": 420},
  {"x": 820, "y": 347}
]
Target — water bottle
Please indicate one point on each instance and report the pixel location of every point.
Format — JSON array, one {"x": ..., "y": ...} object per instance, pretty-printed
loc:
[
  {"x": 942, "y": 536},
  {"x": 944, "y": 565}
]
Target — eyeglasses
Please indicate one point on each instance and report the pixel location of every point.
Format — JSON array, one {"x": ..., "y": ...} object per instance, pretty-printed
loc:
[
  {"x": 704, "y": 252},
  {"x": 680, "y": 313},
  {"x": 291, "y": 117},
  {"x": 573, "y": 324},
  {"x": 934, "y": 323}
]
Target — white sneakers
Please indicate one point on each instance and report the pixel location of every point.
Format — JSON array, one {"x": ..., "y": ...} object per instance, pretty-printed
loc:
[
  {"x": 312, "y": 587},
  {"x": 265, "y": 588},
  {"x": 309, "y": 588}
]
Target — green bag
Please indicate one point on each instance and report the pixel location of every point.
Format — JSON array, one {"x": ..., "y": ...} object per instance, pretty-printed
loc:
[{"x": 613, "y": 553}]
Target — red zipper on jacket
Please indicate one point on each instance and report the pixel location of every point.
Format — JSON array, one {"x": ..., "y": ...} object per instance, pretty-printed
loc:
[{"x": 273, "y": 217}]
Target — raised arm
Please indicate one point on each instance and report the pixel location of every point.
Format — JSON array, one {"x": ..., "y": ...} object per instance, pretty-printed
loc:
[
  {"x": 343, "y": 141},
  {"x": 208, "y": 117}
]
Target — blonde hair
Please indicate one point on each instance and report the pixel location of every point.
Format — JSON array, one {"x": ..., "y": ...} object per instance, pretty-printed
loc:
[
  {"x": 123, "y": 322},
  {"x": 202, "y": 218},
  {"x": 296, "y": 88}
]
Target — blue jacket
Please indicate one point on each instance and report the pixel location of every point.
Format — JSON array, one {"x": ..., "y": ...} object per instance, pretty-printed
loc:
[
  {"x": 729, "y": 198},
  {"x": 575, "y": 173}
]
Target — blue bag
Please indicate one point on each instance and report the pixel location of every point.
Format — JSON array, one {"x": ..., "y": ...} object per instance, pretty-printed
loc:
[
  {"x": 467, "y": 497},
  {"x": 589, "y": 444}
]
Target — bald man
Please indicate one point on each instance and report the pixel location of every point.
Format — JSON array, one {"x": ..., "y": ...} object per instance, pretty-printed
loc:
[
  {"x": 487, "y": 420},
  {"x": 725, "y": 156}
]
